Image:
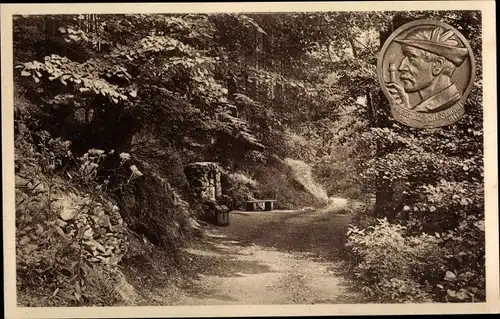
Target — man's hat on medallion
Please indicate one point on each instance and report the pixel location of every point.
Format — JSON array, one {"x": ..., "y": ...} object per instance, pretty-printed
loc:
[{"x": 440, "y": 44}]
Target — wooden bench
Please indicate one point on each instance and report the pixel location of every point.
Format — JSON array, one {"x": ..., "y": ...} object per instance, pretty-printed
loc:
[{"x": 264, "y": 204}]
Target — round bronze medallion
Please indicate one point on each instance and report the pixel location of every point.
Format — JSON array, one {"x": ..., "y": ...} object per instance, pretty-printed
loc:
[{"x": 426, "y": 70}]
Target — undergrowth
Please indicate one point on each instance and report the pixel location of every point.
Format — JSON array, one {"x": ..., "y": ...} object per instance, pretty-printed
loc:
[{"x": 394, "y": 266}]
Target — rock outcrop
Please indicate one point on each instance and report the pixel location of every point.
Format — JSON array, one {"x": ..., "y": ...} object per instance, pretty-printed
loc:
[{"x": 47, "y": 211}]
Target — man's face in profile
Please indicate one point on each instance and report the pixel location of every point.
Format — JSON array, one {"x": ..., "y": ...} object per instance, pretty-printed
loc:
[{"x": 416, "y": 72}]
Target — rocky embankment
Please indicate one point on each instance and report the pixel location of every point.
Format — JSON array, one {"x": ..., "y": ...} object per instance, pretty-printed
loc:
[{"x": 52, "y": 215}]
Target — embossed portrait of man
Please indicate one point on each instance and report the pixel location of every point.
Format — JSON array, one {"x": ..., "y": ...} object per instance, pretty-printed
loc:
[{"x": 431, "y": 56}]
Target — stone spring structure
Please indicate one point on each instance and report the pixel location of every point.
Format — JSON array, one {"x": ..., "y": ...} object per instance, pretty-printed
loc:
[{"x": 205, "y": 181}]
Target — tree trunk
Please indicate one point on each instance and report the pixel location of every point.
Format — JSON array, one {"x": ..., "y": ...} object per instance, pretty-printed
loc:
[
  {"x": 354, "y": 52},
  {"x": 371, "y": 111}
]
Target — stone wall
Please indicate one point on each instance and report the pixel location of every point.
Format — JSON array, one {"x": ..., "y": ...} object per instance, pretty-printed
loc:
[{"x": 204, "y": 180}]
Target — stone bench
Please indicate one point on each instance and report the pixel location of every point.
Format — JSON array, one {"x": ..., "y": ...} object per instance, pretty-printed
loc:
[{"x": 264, "y": 204}]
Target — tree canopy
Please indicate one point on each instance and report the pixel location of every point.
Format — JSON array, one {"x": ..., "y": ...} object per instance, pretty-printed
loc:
[{"x": 245, "y": 88}]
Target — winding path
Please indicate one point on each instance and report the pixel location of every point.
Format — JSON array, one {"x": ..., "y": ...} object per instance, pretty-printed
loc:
[{"x": 278, "y": 257}]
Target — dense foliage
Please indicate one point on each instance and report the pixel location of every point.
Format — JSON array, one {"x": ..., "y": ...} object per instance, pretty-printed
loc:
[
  {"x": 155, "y": 92},
  {"x": 430, "y": 182}
]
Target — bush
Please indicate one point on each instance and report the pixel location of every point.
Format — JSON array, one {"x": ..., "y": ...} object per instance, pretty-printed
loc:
[
  {"x": 61, "y": 215},
  {"x": 397, "y": 267},
  {"x": 239, "y": 187},
  {"x": 242, "y": 179},
  {"x": 386, "y": 261},
  {"x": 279, "y": 181}
]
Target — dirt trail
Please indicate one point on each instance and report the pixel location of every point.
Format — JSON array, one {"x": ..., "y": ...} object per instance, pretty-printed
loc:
[
  {"x": 279, "y": 257},
  {"x": 265, "y": 276}
]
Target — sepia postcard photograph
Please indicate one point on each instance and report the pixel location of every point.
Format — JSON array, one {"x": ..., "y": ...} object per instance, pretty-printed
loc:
[{"x": 244, "y": 159}]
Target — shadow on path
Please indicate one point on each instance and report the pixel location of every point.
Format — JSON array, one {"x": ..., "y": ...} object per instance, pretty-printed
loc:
[
  {"x": 321, "y": 235},
  {"x": 277, "y": 257}
]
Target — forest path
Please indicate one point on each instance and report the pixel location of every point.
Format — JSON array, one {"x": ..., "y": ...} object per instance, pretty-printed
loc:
[{"x": 277, "y": 257}]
